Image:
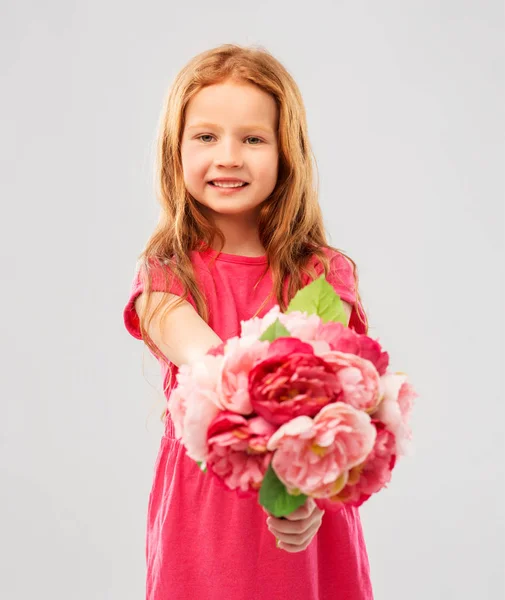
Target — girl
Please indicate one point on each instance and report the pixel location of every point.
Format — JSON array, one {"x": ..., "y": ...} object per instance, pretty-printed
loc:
[{"x": 240, "y": 230}]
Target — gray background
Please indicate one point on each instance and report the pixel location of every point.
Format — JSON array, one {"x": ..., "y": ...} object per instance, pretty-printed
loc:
[{"x": 404, "y": 101}]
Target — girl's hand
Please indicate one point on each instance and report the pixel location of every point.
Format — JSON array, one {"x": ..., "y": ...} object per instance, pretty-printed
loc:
[{"x": 295, "y": 531}]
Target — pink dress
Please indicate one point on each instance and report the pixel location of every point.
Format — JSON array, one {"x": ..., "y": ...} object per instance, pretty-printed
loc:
[{"x": 205, "y": 542}]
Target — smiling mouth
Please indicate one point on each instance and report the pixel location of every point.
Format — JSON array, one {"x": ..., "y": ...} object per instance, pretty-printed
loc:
[{"x": 228, "y": 185}]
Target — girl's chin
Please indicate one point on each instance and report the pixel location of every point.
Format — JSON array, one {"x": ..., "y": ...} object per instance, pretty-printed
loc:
[{"x": 227, "y": 208}]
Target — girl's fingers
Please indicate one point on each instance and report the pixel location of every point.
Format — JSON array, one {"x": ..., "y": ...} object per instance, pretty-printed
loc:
[
  {"x": 289, "y": 527},
  {"x": 297, "y": 540},
  {"x": 293, "y": 527}
]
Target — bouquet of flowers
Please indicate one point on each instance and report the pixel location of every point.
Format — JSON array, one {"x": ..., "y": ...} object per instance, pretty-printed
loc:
[{"x": 298, "y": 405}]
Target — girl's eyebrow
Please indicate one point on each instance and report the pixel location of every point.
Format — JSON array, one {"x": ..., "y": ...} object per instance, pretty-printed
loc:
[{"x": 242, "y": 127}]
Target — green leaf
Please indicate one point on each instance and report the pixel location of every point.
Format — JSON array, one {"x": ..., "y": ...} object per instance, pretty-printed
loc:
[
  {"x": 319, "y": 298},
  {"x": 274, "y": 496},
  {"x": 276, "y": 330}
]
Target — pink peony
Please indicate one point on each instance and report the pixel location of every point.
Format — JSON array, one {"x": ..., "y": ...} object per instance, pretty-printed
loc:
[
  {"x": 314, "y": 456},
  {"x": 357, "y": 378},
  {"x": 291, "y": 381},
  {"x": 369, "y": 477},
  {"x": 233, "y": 382},
  {"x": 395, "y": 408},
  {"x": 252, "y": 329},
  {"x": 301, "y": 325},
  {"x": 193, "y": 404},
  {"x": 238, "y": 453},
  {"x": 341, "y": 338}
]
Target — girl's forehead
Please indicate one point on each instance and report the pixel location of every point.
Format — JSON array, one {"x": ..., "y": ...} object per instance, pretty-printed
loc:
[{"x": 229, "y": 104}]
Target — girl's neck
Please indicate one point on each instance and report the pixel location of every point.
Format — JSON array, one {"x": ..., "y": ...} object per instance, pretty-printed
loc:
[{"x": 241, "y": 237}]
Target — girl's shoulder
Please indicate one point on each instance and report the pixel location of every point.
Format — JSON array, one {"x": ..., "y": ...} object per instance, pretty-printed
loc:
[{"x": 338, "y": 261}]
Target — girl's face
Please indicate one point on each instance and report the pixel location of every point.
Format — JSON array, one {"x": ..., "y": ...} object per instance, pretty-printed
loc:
[{"x": 230, "y": 132}]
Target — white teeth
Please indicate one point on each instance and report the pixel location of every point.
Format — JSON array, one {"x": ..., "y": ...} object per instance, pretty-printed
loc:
[{"x": 227, "y": 185}]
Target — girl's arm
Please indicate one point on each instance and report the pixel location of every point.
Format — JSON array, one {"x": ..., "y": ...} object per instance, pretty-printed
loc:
[{"x": 184, "y": 336}]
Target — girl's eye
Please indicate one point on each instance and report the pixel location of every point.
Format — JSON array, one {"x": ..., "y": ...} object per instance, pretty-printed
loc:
[
  {"x": 208, "y": 135},
  {"x": 204, "y": 135}
]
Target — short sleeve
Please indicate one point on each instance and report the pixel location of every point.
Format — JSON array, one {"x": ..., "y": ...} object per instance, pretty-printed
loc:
[
  {"x": 341, "y": 278},
  {"x": 163, "y": 280}
]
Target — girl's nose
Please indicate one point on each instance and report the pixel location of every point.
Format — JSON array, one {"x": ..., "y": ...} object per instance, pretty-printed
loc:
[{"x": 228, "y": 155}]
